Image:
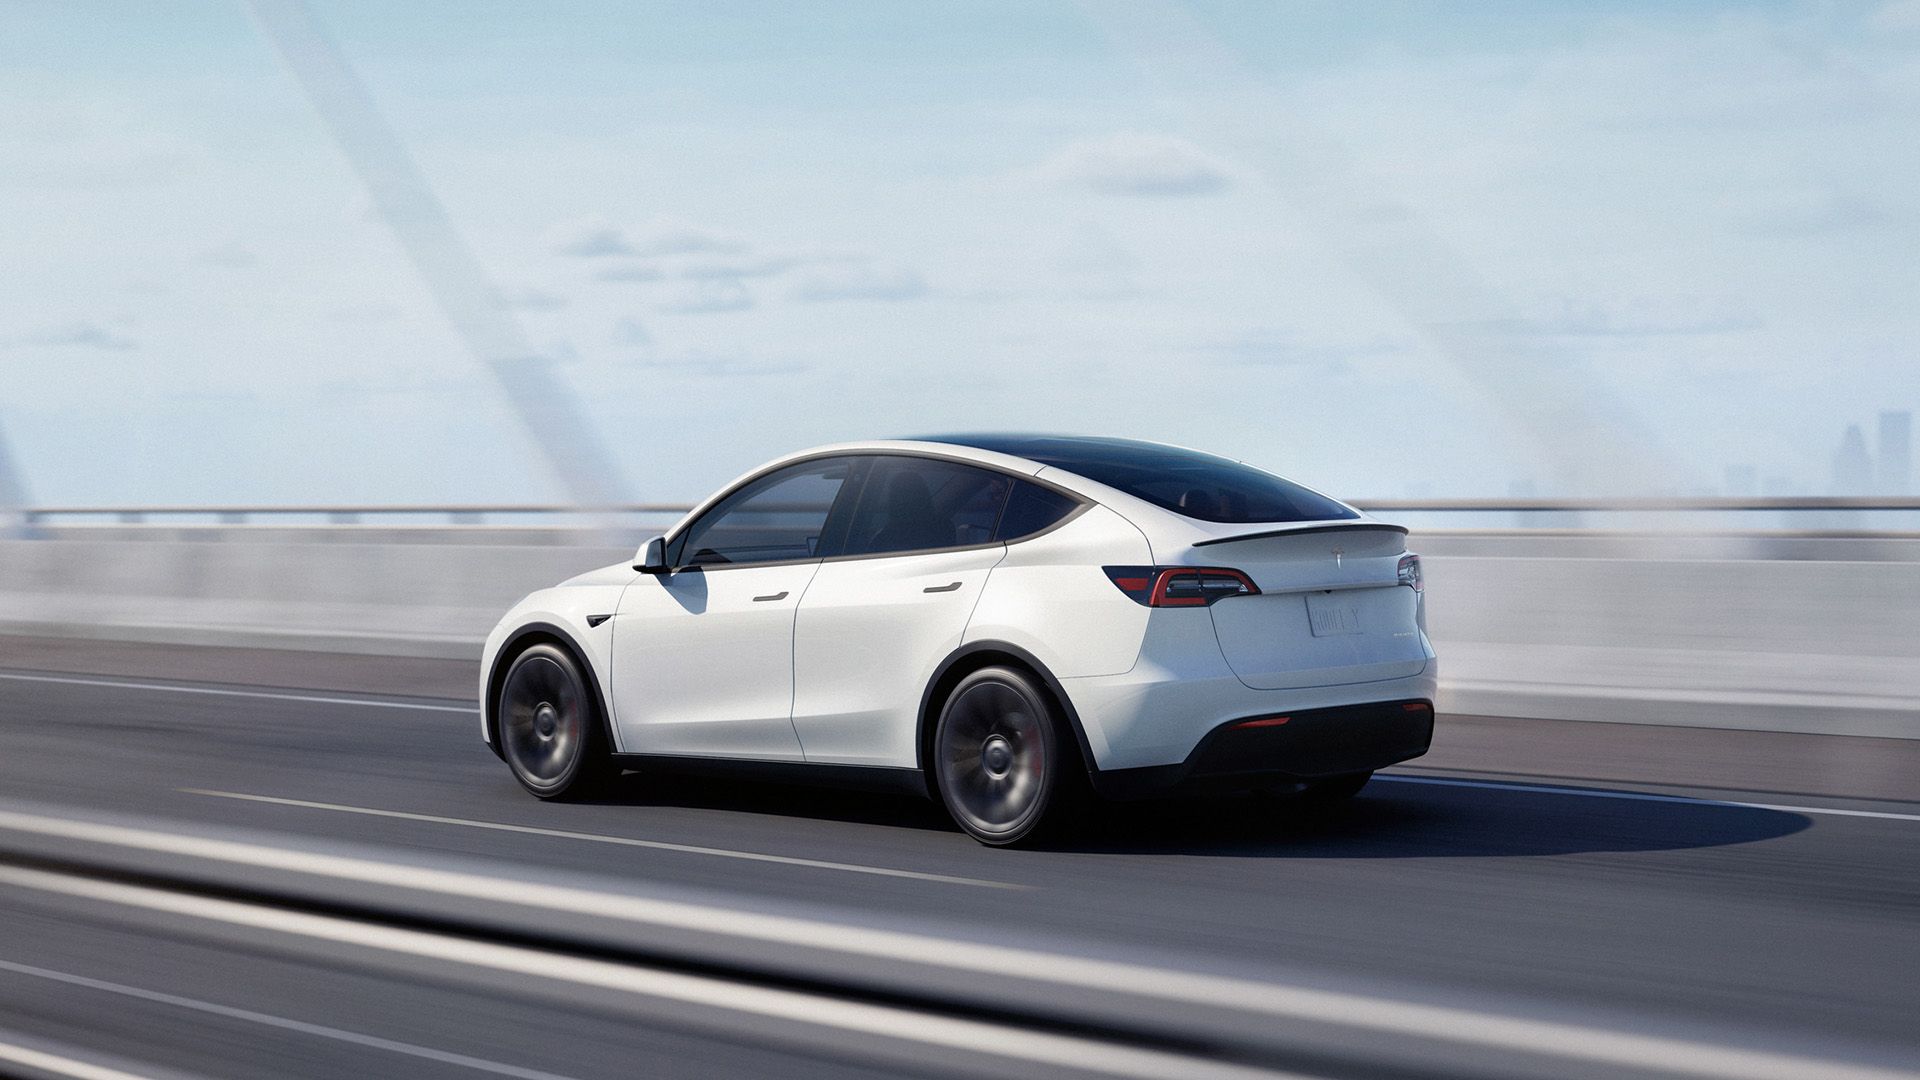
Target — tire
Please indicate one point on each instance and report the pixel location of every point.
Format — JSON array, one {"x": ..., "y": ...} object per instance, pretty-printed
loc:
[
  {"x": 1004, "y": 764},
  {"x": 549, "y": 726}
]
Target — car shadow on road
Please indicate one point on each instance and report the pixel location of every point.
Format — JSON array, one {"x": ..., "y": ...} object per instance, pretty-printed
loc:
[
  {"x": 778, "y": 798},
  {"x": 1390, "y": 820}
]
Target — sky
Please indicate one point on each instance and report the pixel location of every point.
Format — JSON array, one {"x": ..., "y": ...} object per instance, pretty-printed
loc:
[{"x": 1387, "y": 249}]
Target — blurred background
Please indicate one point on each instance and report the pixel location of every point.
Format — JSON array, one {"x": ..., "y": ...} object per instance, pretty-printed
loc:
[
  {"x": 1415, "y": 236},
  {"x": 329, "y": 329}
]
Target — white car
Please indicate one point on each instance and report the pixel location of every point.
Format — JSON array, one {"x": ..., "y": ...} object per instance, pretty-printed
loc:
[{"x": 1005, "y": 623}]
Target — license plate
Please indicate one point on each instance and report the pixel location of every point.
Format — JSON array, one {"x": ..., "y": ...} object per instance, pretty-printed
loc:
[{"x": 1332, "y": 615}]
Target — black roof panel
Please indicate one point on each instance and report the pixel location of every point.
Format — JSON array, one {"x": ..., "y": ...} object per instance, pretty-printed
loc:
[{"x": 1188, "y": 482}]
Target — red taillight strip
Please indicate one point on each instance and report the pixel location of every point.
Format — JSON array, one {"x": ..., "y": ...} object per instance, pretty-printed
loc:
[{"x": 1159, "y": 597}]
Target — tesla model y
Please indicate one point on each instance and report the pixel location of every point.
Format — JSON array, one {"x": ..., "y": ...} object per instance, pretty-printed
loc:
[{"x": 1012, "y": 625}]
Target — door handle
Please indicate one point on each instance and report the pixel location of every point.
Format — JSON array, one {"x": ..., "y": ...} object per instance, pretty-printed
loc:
[
  {"x": 942, "y": 588},
  {"x": 776, "y": 596}
]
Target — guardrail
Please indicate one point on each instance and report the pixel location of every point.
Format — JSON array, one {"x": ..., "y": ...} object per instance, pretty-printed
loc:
[
  {"x": 486, "y": 513},
  {"x": 349, "y": 514}
]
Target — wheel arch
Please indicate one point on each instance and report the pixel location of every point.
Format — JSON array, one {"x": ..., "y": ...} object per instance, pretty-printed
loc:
[
  {"x": 970, "y": 658},
  {"x": 535, "y": 633}
]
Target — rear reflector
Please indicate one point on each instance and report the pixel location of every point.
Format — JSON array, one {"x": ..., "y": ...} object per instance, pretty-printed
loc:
[{"x": 1264, "y": 721}]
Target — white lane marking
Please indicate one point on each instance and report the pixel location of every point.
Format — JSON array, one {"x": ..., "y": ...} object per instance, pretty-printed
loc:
[
  {"x": 411, "y": 1050},
  {"x": 274, "y": 695},
  {"x": 974, "y": 1037},
  {"x": 626, "y": 841},
  {"x": 1331, "y": 1007},
  {"x": 1641, "y": 796},
  {"x": 59, "y": 1065}
]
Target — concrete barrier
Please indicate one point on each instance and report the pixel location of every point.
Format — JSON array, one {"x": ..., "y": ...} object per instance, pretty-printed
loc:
[{"x": 1747, "y": 631}]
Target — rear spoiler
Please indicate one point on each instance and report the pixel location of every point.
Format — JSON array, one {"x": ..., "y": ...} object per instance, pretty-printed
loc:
[{"x": 1264, "y": 534}]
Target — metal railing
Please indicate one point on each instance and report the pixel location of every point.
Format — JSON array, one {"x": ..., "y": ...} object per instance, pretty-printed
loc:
[
  {"x": 488, "y": 513},
  {"x": 352, "y": 514}
]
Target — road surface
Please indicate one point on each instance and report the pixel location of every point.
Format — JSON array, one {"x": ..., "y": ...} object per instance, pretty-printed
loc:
[{"x": 1649, "y": 893}]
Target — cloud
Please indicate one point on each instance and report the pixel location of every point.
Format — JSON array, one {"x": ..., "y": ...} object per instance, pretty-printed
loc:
[
  {"x": 633, "y": 271},
  {"x": 598, "y": 239},
  {"x": 707, "y": 297},
  {"x": 363, "y": 313},
  {"x": 232, "y": 255},
  {"x": 763, "y": 266},
  {"x": 1898, "y": 16},
  {"x": 530, "y": 299},
  {"x": 1136, "y": 163},
  {"x": 1814, "y": 214},
  {"x": 1277, "y": 351},
  {"x": 590, "y": 240},
  {"x": 631, "y": 333},
  {"x": 709, "y": 365},
  {"x": 858, "y": 281},
  {"x": 678, "y": 238},
  {"x": 74, "y": 335},
  {"x": 1638, "y": 317}
]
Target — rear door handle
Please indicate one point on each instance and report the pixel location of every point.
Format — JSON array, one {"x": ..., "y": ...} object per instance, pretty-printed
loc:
[
  {"x": 942, "y": 588},
  {"x": 776, "y": 596}
]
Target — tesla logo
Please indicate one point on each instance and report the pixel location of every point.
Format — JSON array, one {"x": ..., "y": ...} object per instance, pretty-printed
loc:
[{"x": 1338, "y": 553}]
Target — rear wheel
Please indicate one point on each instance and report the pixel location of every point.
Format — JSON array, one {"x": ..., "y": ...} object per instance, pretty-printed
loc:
[
  {"x": 550, "y": 733},
  {"x": 1003, "y": 761}
]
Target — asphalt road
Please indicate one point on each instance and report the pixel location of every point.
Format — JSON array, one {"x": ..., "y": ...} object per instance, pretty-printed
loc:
[{"x": 1767, "y": 896}]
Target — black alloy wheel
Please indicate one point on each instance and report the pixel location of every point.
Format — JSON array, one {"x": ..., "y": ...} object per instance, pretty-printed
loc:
[
  {"x": 1003, "y": 762},
  {"x": 549, "y": 726}
]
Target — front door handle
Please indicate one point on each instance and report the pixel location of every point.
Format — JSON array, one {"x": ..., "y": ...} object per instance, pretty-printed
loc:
[
  {"x": 776, "y": 596},
  {"x": 942, "y": 588}
]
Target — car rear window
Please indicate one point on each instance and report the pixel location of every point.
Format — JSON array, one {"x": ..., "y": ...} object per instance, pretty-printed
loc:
[{"x": 1186, "y": 482}]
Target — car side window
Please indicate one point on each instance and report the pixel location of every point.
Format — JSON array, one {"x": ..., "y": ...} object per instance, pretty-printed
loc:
[
  {"x": 1032, "y": 509},
  {"x": 780, "y": 516},
  {"x": 921, "y": 504}
]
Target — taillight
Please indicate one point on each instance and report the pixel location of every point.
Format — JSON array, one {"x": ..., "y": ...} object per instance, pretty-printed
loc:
[
  {"x": 1180, "y": 586},
  {"x": 1410, "y": 573}
]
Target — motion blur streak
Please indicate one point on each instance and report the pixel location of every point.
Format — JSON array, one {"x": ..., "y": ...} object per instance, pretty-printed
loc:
[
  {"x": 1641, "y": 796},
  {"x": 556, "y": 424},
  {"x": 45, "y": 1061},
  {"x": 252, "y": 1017},
  {"x": 222, "y": 692},
  {"x": 624, "y": 841},
  {"x": 1571, "y": 419},
  {"x": 986, "y": 1039},
  {"x": 13, "y": 492},
  {"x": 1458, "y": 1026}
]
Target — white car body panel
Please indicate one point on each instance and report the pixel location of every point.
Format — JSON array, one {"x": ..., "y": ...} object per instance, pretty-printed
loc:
[
  {"x": 867, "y": 640},
  {"x": 566, "y": 607},
  {"x": 1043, "y": 600},
  {"x": 703, "y": 662}
]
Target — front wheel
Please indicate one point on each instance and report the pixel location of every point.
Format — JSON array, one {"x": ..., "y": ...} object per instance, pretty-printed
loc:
[
  {"x": 549, "y": 730},
  {"x": 1003, "y": 761}
]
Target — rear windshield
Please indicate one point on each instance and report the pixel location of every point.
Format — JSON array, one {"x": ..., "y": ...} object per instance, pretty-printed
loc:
[{"x": 1188, "y": 482}]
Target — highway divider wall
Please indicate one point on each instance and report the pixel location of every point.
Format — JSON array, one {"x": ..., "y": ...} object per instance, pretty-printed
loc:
[{"x": 1771, "y": 633}]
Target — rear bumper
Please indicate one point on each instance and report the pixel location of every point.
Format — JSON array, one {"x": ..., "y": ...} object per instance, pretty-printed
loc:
[
  {"x": 1181, "y": 690},
  {"x": 1267, "y": 751}
]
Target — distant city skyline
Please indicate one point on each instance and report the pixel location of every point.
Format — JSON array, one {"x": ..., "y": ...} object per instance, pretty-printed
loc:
[{"x": 1389, "y": 249}]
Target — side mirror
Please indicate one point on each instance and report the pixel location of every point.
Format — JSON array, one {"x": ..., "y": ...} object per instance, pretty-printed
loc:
[{"x": 653, "y": 556}]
